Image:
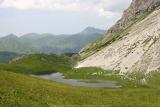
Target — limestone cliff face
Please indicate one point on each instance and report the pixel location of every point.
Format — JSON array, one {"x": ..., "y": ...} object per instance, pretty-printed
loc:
[
  {"x": 135, "y": 10},
  {"x": 138, "y": 10},
  {"x": 139, "y": 48}
]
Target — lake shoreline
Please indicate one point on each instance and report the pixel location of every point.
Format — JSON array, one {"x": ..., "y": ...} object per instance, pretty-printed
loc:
[{"x": 58, "y": 77}]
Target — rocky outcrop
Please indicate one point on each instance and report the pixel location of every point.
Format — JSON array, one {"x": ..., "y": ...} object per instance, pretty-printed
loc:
[
  {"x": 139, "y": 48},
  {"x": 135, "y": 10}
]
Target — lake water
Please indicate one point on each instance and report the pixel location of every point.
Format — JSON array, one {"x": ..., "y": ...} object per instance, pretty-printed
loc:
[{"x": 58, "y": 77}]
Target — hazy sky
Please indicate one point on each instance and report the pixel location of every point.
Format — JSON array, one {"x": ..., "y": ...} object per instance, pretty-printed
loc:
[{"x": 58, "y": 16}]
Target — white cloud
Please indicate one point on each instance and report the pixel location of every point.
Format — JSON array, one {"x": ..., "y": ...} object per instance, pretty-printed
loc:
[
  {"x": 107, "y": 8},
  {"x": 109, "y": 14}
]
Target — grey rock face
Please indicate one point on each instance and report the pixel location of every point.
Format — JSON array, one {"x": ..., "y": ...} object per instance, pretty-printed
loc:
[
  {"x": 138, "y": 49},
  {"x": 137, "y": 8}
]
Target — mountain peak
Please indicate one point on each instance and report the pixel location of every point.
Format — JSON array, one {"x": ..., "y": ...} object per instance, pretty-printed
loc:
[
  {"x": 90, "y": 29},
  {"x": 10, "y": 36},
  {"x": 32, "y": 36}
]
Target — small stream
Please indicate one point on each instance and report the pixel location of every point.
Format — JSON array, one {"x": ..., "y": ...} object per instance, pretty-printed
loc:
[{"x": 58, "y": 77}]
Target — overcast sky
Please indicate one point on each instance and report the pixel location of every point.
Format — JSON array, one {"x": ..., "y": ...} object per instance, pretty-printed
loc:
[{"x": 58, "y": 16}]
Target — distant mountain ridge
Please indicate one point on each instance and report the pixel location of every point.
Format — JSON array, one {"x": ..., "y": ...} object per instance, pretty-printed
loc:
[
  {"x": 34, "y": 42},
  {"x": 6, "y": 57}
]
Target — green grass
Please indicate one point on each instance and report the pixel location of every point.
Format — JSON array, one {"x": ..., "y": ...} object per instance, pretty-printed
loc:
[
  {"x": 17, "y": 90},
  {"x": 39, "y": 64},
  {"x": 20, "y": 90},
  {"x": 94, "y": 74},
  {"x": 51, "y": 63},
  {"x": 154, "y": 80}
]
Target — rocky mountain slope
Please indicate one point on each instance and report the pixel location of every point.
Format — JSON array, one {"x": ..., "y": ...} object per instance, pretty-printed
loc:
[
  {"x": 32, "y": 42},
  {"x": 132, "y": 44}
]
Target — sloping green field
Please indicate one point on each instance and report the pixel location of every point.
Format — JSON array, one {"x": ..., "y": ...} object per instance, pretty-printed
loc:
[
  {"x": 39, "y": 64},
  {"x": 17, "y": 90},
  {"x": 20, "y": 90}
]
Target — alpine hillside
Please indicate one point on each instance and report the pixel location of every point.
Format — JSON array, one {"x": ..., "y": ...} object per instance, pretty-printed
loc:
[{"x": 132, "y": 44}]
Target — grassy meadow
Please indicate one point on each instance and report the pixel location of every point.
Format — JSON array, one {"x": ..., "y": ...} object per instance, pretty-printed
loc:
[
  {"x": 39, "y": 64},
  {"x": 19, "y": 89}
]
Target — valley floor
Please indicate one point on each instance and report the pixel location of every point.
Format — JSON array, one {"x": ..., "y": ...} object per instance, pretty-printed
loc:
[{"x": 18, "y": 90}]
